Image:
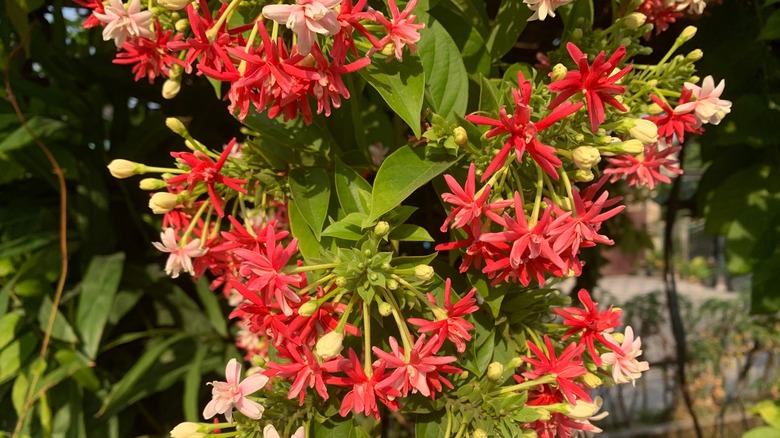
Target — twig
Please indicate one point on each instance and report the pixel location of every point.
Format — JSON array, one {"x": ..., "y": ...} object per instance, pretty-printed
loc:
[{"x": 57, "y": 170}]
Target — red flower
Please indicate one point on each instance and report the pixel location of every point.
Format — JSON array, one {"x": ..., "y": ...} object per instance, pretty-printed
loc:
[
  {"x": 449, "y": 321},
  {"x": 523, "y": 132},
  {"x": 591, "y": 323},
  {"x": 204, "y": 169},
  {"x": 421, "y": 373},
  {"x": 572, "y": 231},
  {"x": 565, "y": 368},
  {"x": 660, "y": 14},
  {"x": 151, "y": 58},
  {"x": 402, "y": 31},
  {"x": 304, "y": 369},
  {"x": 361, "y": 399},
  {"x": 467, "y": 205},
  {"x": 644, "y": 169},
  {"x": 671, "y": 124},
  {"x": 323, "y": 320},
  {"x": 211, "y": 52},
  {"x": 596, "y": 81},
  {"x": 476, "y": 250}
]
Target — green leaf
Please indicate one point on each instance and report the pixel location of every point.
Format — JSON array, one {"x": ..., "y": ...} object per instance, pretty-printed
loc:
[
  {"x": 192, "y": 384},
  {"x": 577, "y": 15},
  {"x": 762, "y": 432},
  {"x": 331, "y": 429},
  {"x": 308, "y": 244},
  {"x": 346, "y": 228},
  {"x": 310, "y": 189},
  {"x": 61, "y": 329},
  {"x": 445, "y": 74},
  {"x": 402, "y": 173},
  {"x": 9, "y": 327},
  {"x": 401, "y": 85},
  {"x": 510, "y": 21},
  {"x": 26, "y": 244},
  {"x": 42, "y": 127},
  {"x": 212, "y": 307},
  {"x": 764, "y": 298},
  {"x": 771, "y": 29},
  {"x": 410, "y": 233},
  {"x": 431, "y": 425},
  {"x": 98, "y": 289},
  {"x": 353, "y": 191},
  {"x": 19, "y": 392},
  {"x": 15, "y": 354},
  {"x": 769, "y": 410}
]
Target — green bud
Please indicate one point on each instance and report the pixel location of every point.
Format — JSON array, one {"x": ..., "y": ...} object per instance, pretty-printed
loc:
[
  {"x": 308, "y": 308},
  {"x": 381, "y": 229},
  {"x": 177, "y": 127},
  {"x": 592, "y": 381},
  {"x": 576, "y": 34},
  {"x": 479, "y": 433},
  {"x": 583, "y": 175},
  {"x": 687, "y": 34},
  {"x": 392, "y": 284},
  {"x": 634, "y": 20},
  {"x": 341, "y": 281},
  {"x": 182, "y": 25},
  {"x": 694, "y": 55},
  {"x": 152, "y": 184},
  {"x": 495, "y": 371},
  {"x": 460, "y": 135},
  {"x": 558, "y": 72},
  {"x": 423, "y": 272},
  {"x": 694, "y": 79},
  {"x": 385, "y": 309}
]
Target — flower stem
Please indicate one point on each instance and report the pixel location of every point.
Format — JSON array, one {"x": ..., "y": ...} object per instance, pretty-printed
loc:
[
  {"x": 211, "y": 34},
  {"x": 549, "y": 378},
  {"x": 193, "y": 223},
  {"x": 406, "y": 337},
  {"x": 538, "y": 199},
  {"x": 322, "y": 280},
  {"x": 299, "y": 269},
  {"x": 567, "y": 184},
  {"x": 367, "y": 340}
]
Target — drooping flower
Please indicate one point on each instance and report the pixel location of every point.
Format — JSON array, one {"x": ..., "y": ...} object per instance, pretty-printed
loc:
[
  {"x": 522, "y": 132},
  {"x": 269, "y": 431},
  {"x": 306, "y": 18},
  {"x": 180, "y": 258},
  {"x": 124, "y": 23},
  {"x": 590, "y": 323},
  {"x": 566, "y": 367},
  {"x": 232, "y": 393},
  {"x": 544, "y": 8},
  {"x": 708, "y": 106},
  {"x": 596, "y": 81},
  {"x": 625, "y": 367},
  {"x": 450, "y": 323},
  {"x": 675, "y": 122},
  {"x": 644, "y": 169},
  {"x": 401, "y": 31}
]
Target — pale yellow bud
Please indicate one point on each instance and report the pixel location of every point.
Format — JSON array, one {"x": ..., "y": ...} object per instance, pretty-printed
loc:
[
  {"x": 654, "y": 109},
  {"x": 632, "y": 147},
  {"x": 388, "y": 49},
  {"x": 187, "y": 430},
  {"x": 618, "y": 337},
  {"x": 176, "y": 126},
  {"x": 330, "y": 345},
  {"x": 583, "y": 175},
  {"x": 174, "y": 5},
  {"x": 582, "y": 410},
  {"x": 381, "y": 229},
  {"x": 423, "y": 272},
  {"x": 592, "y": 381},
  {"x": 694, "y": 55},
  {"x": 687, "y": 34},
  {"x": 385, "y": 309},
  {"x": 182, "y": 25},
  {"x": 152, "y": 184},
  {"x": 341, "y": 281},
  {"x": 170, "y": 88},
  {"x": 308, "y": 308},
  {"x": 479, "y": 433},
  {"x": 644, "y": 131},
  {"x": 163, "y": 202},
  {"x": 694, "y": 79},
  {"x": 495, "y": 371},
  {"x": 585, "y": 157},
  {"x": 634, "y": 20},
  {"x": 392, "y": 284},
  {"x": 460, "y": 135},
  {"x": 124, "y": 169},
  {"x": 558, "y": 72}
]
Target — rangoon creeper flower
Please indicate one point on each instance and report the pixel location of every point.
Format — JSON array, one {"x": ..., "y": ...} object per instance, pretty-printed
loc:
[
  {"x": 187, "y": 430},
  {"x": 708, "y": 106},
  {"x": 233, "y": 392},
  {"x": 402, "y": 31},
  {"x": 625, "y": 367},
  {"x": 180, "y": 258},
  {"x": 306, "y": 18},
  {"x": 270, "y": 432},
  {"x": 544, "y": 8},
  {"x": 121, "y": 23}
]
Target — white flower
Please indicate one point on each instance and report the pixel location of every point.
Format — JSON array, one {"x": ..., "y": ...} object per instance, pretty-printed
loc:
[
  {"x": 708, "y": 106},
  {"x": 233, "y": 392},
  {"x": 270, "y": 432},
  {"x": 693, "y": 6},
  {"x": 121, "y": 23},
  {"x": 306, "y": 18},
  {"x": 543, "y": 8},
  {"x": 625, "y": 367},
  {"x": 181, "y": 256},
  {"x": 378, "y": 153}
]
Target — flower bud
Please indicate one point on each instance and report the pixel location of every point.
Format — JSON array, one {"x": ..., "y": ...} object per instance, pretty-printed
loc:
[
  {"x": 654, "y": 109},
  {"x": 632, "y": 147},
  {"x": 582, "y": 410},
  {"x": 514, "y": 362},
  {"x": 495, "y": 371},
  {"x": 618, "y": 337},
  {"x": 644, "y": 131},
  {"x": 341, "y": 281},
  {"x": 388, "y": 49},
  {"x": 152, "y": 184},
  {"x": 170, "y": 88},
  {"x": 182, "y": 25},
  {"x": 392, "y": 284},
  {"x": 687, "y": 34},
  {"x": 330, "y": 345},
  {"x": 634, "y": 20},
  {"x": 591, "y": 381},
  {"x": 174, "y": 5},
  {"x": 308, "y": 308},
  {"x": 576, "y": 34},
  {"x": 460, "y": 135},
  {"x": 385, "y": 309},
  {"x": 176, "y": 126},
  {"x": 258, "y": 361},
  {"x": 479, "y": 433},
  {"x": 558, "y": 72},
  {"x": 124, "y": 169},
  {"x": 585, "y": 157},
  {"x": 381, "y": 229},
  {"x": 565, "y": 204},
  {"x": 694, "y": 55},
  {"x": 163, "y": 202},
  {"x": 423, "y": 272},
  {"x": 694, "y": 79},
  {"x": 187, "y": 430},
  {"x": 583, "y": 175}
]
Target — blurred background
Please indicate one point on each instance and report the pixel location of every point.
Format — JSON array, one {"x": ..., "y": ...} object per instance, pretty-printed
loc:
[{"x": 696, "y": 269}]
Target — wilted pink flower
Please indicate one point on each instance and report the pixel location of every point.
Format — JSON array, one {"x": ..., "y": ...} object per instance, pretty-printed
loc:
[
  {"x": 708, "y": 106},
  {"x": 233, "y": 392},
  {"x": 543, "y": 8},
  {"x": 625, "y": 367},
  {"x": 121, "y": 23},
  {"x": 180, "y": 258},
  {"x": 306, "y": 18}
]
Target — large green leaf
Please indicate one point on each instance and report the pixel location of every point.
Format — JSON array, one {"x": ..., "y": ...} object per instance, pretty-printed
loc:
[
  {"x": 98, "y": 289},
  {"x": 61, "y": 329},
  {"x": 15, "y": 354},
  {"x": 401, "y": 85},
  {"x": 509, "y": 24},
  {"x": 402, "y": 173},
  {"x": 445, "y": 74},
  {"x": 331, "y": 429},
  {"x": 42, "y": 127},
  {"x": 764, "y": 295},
  {"x": 353, "y": 191},
  {"x": 308, "y": 244},
  {"x": 310, "y": 189},
  {"x": 212, "y": 307},
  {"x": 771, "y": 29}
]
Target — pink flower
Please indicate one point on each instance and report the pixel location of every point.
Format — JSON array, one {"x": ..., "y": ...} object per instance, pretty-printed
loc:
[
  {"x": 596, "y": 81},
  {"x": 675, "y": 122},
  {"x": 121, "y": 23},
  {"x": 378, "y": 153},
  {"x": 361, "y": 399},
  {"x": 644, "y": 169},
  {"x": 625, "y": 367},
  {"x": 591, "y": 323},
  {"x": 306, "y": 18},
  {"x": 180, "y": 258},
  {"x": 468, "y": 205},
  {"x": 421, "y": 373},
  {"x": 543, "y": 8},
  {"x": 305, "y": 371},
  {"x": 565, "y": 368},
  {"x": 150, "y": 58},
  {"x": 660, "y": 13},
  {"x": 449, "y": 321},
  {"x": 233, "y": 392},
  {"x": 708, "y": 106},
  {"x": 269, "y": 431},
  {"x": 402, "y": 31},
  {"x": 572, "y": 231}
]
